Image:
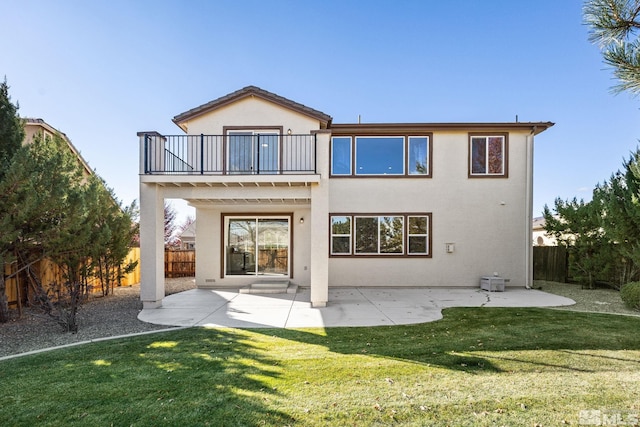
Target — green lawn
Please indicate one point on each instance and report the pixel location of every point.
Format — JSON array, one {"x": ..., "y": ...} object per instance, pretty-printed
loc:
[{"x": 476, "y": 367}]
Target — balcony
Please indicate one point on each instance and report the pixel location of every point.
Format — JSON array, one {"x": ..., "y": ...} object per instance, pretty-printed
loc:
[{"x": 238, "y": 153}]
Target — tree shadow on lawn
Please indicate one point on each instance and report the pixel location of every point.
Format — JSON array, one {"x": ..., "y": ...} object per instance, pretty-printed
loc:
[
  {"x": 194, "y": 377},
  {"x": 476, "y": 339}
]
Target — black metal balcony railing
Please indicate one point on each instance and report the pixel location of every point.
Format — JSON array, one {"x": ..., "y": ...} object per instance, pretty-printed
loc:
[{"x": 240, "y": 154}]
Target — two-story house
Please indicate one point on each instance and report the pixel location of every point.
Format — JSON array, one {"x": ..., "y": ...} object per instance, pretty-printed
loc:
[{"x": 283, "y": 193}]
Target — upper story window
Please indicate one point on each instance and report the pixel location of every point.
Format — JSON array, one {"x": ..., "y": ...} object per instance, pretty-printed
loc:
[
  {"x": 381, "y": 155},
  {"x": 488, "y": 155}
]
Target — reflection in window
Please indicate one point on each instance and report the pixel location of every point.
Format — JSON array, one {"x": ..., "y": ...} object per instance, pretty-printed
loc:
[
  {"x": 380, "y": 235},
  {"x": 257, "y": 246},
  {"x": 253, "y": 152},
  {"x": 341, "y": 156},
  {"x": 418, "y": 155},
  {"x": 418, "y": 235},
  {"x": 380, "y": 155},
  {"x": 340, "y": 235},
  {"x": 391, "y": 234},
  {"x": 366, "y": 235},
  {"x": 487, "y": 155}
]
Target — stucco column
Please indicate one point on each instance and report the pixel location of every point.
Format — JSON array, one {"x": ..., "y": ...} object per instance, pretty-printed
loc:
[
  {"x": 151, "y": 245},
  {"x": 320, "y": 225},
  {"x": 529, "y": 213}
]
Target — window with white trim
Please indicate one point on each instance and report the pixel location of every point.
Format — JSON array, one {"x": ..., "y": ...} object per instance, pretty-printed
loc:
[
  {"x": 487, "y": 155},
  {"x": 380, "y": 234},
  {"x": 379, "y": 155}
]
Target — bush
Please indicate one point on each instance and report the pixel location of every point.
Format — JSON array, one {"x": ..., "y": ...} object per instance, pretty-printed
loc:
[{"x": 630, "y": 294}]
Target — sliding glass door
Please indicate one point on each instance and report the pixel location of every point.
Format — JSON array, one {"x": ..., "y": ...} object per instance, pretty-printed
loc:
[
  {"x": 251, "y": 152},
  {"x": 257, "y": 246}
]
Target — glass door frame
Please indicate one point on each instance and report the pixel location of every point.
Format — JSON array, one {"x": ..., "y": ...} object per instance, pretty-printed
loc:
[
  {"x": 227, "y": 250},
  {"x": 254, "y": 133}
]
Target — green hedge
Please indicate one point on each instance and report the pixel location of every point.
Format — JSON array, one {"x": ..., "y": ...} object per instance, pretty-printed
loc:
[{"x": 630, "y": 294}]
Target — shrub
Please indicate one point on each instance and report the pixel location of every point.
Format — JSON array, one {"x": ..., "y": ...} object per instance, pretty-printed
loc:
[{"x": 630, "y": 294}]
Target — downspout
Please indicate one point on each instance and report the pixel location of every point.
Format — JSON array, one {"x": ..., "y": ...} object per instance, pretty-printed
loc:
[{"x": 529, "y": 211}]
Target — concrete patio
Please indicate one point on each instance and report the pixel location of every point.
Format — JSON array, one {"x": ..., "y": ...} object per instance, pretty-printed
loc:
[{"x": 347, "y": 306}]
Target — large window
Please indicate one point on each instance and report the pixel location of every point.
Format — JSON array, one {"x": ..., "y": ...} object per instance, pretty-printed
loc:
[
  {"x": 257, "y": 246},
  {"x": 488, "y": 155},
  {"x": 376, "y": 155},
  {"x": 381, "y": 156},
  {"x": 380, "y": 235}
]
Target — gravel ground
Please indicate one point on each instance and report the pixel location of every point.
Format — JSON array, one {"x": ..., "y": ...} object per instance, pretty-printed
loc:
[
  {"x": 100, "y": 317},
  {"x": 599, "y": 300},
  {"x": 117, "y": 314}
]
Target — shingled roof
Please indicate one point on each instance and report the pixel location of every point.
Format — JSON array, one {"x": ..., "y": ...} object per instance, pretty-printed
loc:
[{"x": 324, "y": 119}]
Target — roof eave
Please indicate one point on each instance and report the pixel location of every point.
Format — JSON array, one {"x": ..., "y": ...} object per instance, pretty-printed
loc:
[{"x": 251, "y": 91}]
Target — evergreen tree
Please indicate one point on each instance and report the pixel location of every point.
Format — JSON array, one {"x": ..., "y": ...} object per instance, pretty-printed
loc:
[
  {"x": 615, "y": 26},
  {"x": 578, "y": 226},
  {"x": 11, "y": 137},
  {"x": 621, "y": 218},
  {"x": 40, "y": 199},
  {"x": 11, "y": 128}
]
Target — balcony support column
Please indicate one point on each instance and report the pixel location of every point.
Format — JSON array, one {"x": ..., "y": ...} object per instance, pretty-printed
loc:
[
  {"x": 151, "y": 245},
  {"x": 320, "y": 226}
]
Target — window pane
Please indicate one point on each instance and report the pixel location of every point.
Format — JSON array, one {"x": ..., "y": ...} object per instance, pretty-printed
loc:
[
  {"x": 340, "y": 225},
  {"x": 341, "y": 156},
  {"x": 380, "y": 156},
  {"x": 418, "y": 156},
  {"x": 496, "y": 144},
  {"x": 417, "y": 225},
  {"x": 366, "y": 235},
  {"x": 391, "y": 231},
  {"x": 341, "y": 245},
  {"x": 268, "y": 153},
  {"x": 417, "y": 244},
  {"x": 273, "y": 246},
  {"x": 240, "y": 152},
  {"x": 241, "y": 249},
  {"x": 478, "y": 155}
]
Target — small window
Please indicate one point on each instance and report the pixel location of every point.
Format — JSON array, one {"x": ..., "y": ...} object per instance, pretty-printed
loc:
[
  {"x": 488, "y": 155},
  {"x": 341, "y": 235},
  {"x": 341, "y": 156},
  {"x": 418, "y": 155},
  {"x": 418, "y": 235}
]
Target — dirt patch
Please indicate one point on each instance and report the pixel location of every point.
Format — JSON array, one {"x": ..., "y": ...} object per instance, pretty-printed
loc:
[{"x": 99, "y": 317}]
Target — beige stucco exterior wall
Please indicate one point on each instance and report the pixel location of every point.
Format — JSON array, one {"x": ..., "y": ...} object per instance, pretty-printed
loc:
[
  {"x": 250, "y": 112},
  {"x": 210, "y": 242},
  {"x": 483, "y": 217},
  {"x": 295, "y": 201},
  {"x": 487, "y": 219}
]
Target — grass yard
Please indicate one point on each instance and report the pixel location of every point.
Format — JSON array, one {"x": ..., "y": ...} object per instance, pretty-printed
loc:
[{"x": 476, "y": 367}]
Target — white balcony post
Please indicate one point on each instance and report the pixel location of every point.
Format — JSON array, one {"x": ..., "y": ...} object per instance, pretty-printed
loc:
[{"x": 151, "y": 245}]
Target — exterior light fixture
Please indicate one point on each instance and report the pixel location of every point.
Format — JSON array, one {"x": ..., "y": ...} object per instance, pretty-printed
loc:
[
  {"x": 289, "y": 131},
  {"x": 301, "y": 220}
]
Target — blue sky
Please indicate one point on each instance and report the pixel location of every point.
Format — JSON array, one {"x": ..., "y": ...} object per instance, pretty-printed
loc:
[{"x": 100, "y": 71}]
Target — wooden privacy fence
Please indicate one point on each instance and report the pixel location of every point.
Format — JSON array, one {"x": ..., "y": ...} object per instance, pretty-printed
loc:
[
  {"x": 18, "y": 288},
  {"x": 180, "y": 263},
  {"x": 550, "y": 263}
]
